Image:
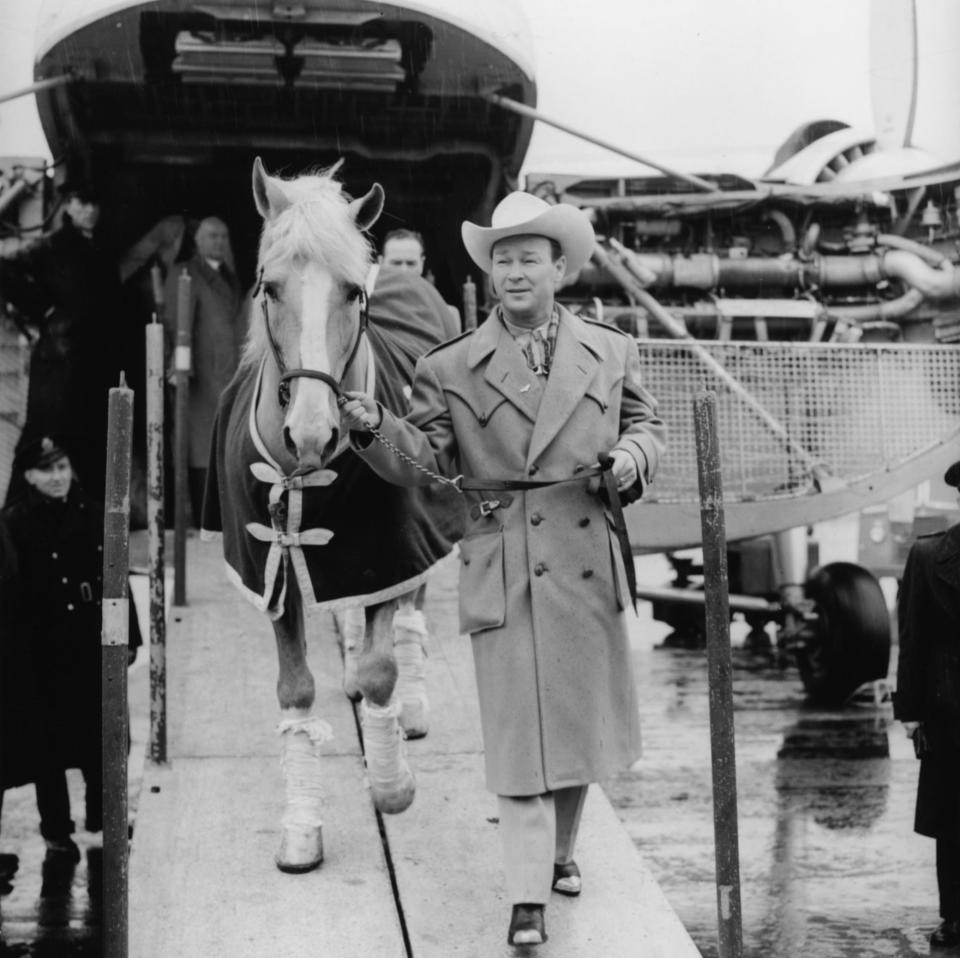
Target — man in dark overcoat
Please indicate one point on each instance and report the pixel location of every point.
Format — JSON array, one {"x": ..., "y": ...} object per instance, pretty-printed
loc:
[
  {"x": 50, "y": 640},
  {"x": 536, "y": 395},
  {"x": 927, "y": 701},
  {"x": 217, "y": 329}
]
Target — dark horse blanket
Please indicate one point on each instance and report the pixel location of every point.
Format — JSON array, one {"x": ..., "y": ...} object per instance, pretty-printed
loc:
[{"x": 349, "y": 537}]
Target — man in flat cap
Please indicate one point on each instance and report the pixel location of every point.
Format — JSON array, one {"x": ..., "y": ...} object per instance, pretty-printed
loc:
[
  {"x": 525, "y": 407},
  {"x": 927, "y": 701}
]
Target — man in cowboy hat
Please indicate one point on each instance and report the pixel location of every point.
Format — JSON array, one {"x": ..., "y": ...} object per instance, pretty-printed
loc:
[
  {"x": 927, "y": 701},
  {"x": 524, "y": 407}
]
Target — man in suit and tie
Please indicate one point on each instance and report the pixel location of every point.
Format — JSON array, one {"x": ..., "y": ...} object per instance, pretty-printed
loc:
[{"x": 217, "y": 329}]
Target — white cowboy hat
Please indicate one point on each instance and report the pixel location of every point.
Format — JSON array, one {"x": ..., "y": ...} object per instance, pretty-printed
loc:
[{"x": 523, "y": 214}]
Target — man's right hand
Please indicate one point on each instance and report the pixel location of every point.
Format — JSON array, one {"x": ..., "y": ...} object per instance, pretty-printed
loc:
[{"x": 361, "y": 412}]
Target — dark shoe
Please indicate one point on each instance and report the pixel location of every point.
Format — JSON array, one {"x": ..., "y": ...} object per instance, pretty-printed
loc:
[
  {"x": 526, "y": 926},
  {"x": 63, "y": 848},
  {"x": 566, "y": 879},
  {"x": 947, "y": 934}
]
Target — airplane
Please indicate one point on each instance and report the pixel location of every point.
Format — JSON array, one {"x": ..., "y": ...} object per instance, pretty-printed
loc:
[{"x": 821, "y": 300}]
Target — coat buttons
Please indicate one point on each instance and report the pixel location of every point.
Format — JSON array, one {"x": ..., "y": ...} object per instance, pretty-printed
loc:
[
  {"x": 536, "y": 519},
  {"x": 539, "y": 568},
  {"x": 587, "y": 573},
  {"x": 533, "y": 470},
  {"x": 584, "y": 522}
]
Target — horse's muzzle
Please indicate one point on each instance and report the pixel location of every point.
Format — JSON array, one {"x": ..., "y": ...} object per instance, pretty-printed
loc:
[{"x": 311, "y": 454}]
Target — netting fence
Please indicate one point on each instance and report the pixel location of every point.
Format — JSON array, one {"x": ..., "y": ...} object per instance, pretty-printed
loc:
[{"x": 788, "y": 411}]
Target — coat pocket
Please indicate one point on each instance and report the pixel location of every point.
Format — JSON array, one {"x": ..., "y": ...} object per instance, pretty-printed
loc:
[{"x": 483, "y": 600}]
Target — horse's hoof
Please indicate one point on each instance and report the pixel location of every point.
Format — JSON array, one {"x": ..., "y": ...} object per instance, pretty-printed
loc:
[
  {"x": 301, "y": 848},
  {"x": 396, "y": 800},
  {"x": 414, "y": 718}
]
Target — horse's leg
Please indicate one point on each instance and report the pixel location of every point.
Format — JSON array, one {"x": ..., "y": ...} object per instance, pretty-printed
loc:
[
  {"x": 409, "y": 639},
  {"x": 301, "y": 844},
  {"x": 391, "y": 781},
  {"x": 351, "y": 624}
]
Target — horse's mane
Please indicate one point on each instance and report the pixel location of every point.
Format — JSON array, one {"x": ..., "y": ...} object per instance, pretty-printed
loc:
[{"x": 315, "y": 227}]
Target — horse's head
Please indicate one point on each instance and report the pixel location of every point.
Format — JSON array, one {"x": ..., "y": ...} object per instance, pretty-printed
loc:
[{"x": 313, "y": 264}]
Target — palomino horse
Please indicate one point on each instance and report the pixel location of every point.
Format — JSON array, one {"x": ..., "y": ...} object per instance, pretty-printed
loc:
[{"x": 305, "y": 523}]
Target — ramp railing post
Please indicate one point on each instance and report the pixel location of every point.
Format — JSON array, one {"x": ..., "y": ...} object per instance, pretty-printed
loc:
[
  {"x": 114, "y": 648},
  {"x": 720, "y": 673},
  {"x": 181, "y": 365},
  {"x": 155, "y": 525}
]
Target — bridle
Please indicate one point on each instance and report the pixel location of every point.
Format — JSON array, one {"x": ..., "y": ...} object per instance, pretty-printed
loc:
[{"x": 283, "y": 389}]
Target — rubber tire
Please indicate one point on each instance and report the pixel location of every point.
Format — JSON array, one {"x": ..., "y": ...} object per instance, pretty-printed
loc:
[{"x": 850, "y": 642}]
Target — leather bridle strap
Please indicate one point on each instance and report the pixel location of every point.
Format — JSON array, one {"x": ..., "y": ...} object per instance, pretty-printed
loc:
[{"x": 283, "y": 389}]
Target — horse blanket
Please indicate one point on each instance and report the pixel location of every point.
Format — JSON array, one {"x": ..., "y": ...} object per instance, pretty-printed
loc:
[{"x": 349, "y": 537}]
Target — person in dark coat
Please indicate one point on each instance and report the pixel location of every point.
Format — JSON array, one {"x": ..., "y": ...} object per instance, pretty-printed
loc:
[
  {"x": 50, "y": 641},
  {"x": 68, "y": 287},
  {"x": 217, "y": 329},
  {"x": 927, "y": 701}
]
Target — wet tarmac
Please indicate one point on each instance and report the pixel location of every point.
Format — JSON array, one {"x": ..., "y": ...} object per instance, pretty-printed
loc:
[{"x": 829, "y": 864}]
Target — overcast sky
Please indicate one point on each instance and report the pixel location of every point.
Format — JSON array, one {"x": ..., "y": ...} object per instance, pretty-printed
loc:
[{"x": 698, "y": 84}]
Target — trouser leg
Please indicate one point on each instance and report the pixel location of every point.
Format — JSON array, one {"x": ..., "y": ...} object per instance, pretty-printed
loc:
[
  {"x": 568, "y": 803},
  {"x": 53, "y": 803},
  {"x": 528, "y": 832},
  {"x": 196, "y": 481},
  {"x": 948, "y": 879},
  {"x": 93, "y": 783}
]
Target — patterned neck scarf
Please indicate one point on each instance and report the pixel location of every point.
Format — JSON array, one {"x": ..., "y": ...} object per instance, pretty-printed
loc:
[{"x": 537, "y": 345}]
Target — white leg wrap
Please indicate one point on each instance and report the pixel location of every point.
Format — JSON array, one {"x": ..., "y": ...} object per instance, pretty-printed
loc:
[
  {"x": 391, "y": 780},
  {"x": 301, "y": 846},
  {"x": 352, "y": 624},
  {"x": 409, "y": 640}
]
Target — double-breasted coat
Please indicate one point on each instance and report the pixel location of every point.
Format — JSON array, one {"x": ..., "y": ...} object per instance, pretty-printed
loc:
[
  {"x": 218, "y": 326},
  {"x": 542, "y": 583},
  {"x": 52, "y": 589},
  {"x": 928, "y": 676}
]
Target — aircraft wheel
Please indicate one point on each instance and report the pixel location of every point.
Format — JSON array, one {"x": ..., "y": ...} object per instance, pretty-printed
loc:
[{"x": 849, "y": 643}]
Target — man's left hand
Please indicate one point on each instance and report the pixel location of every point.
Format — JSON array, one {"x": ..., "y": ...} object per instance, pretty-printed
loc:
[{"x": 624, "y": 469}]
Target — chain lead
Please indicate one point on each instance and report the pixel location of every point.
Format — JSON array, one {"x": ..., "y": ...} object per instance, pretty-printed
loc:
[{"x": 400, "y": 454}]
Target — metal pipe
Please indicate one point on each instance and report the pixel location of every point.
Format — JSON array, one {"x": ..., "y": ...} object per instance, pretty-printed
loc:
[
  {"x": 115, "y": 644},
  {"x": 37, "y": 87},
  {"x": 524, "y": 110},
  {"x": 720, "y": 677},
  {"x": 737, "y": 603}
]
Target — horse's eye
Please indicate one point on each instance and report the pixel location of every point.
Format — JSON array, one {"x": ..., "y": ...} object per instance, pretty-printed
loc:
[
  {"x": 353, "y": 294},
  {"x": 271, "y": 291}
]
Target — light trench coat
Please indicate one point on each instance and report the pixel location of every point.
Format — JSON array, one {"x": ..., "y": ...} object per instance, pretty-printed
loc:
[{"x": 542, "y": 583}]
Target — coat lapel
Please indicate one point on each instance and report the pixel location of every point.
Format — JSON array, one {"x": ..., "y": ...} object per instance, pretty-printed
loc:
[
  {"x": 575, "y": 364},
  {"x": 507, "y": 371}
]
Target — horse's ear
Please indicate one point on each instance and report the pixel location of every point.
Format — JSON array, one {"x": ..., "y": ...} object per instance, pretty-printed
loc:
[
  {"x": 367, "y": 209},
  {"x": 267, "y": 194}
]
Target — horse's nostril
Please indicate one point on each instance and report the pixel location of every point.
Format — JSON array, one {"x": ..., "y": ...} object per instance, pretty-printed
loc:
[
  {"x": 288, "y": 441},
  {"x": 330, "y": 448}
]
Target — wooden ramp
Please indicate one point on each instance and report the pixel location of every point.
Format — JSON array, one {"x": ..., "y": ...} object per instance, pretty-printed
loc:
[{"x": 427, "y": 885}]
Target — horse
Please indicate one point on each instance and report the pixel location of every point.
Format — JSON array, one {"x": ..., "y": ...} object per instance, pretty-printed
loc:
[{"x": 304, "y": 522}]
